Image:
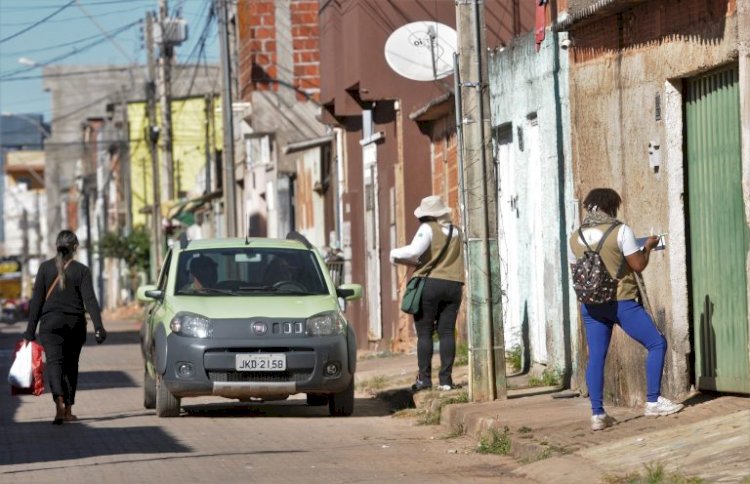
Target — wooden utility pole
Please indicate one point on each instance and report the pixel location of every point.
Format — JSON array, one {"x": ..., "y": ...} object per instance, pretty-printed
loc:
[
  {"x": 166, "y": 53},
  {"x": 230, "y": 199},
  {"x": 152, "y": 137},
  {"x": 486, "y": 342}
]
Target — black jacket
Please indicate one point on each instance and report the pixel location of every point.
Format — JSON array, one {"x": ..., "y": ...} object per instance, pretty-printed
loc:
[{"x": 77, "y": 297}]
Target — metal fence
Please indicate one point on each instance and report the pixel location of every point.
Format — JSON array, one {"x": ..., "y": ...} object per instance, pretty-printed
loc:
[{"x": 336, "y": 268}]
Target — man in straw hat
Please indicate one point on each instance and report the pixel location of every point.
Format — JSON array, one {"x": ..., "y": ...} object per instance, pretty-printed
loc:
[{"x": 437, "y": 254}]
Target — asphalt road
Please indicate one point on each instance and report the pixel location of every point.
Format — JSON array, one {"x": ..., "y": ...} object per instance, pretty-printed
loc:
[{"x": 216, "y": 440}]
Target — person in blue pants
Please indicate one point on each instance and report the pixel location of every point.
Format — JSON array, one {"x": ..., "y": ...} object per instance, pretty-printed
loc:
[{"x": 622, "y": 257}]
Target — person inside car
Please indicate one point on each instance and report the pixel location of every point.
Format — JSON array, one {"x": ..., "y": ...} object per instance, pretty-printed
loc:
[{"x": 203, "y": 274}]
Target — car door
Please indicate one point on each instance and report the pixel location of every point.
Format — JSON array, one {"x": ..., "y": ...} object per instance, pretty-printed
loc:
[{"x": 156, "y": 310}]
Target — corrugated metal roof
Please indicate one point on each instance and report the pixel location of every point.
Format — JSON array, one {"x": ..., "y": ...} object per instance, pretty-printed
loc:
[{"x": 583, "y": 11}]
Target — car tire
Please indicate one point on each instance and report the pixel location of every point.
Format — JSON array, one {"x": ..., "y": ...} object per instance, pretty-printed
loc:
[
  {"x": 316, "y": 399},
  {"x": 149, "y": 390},
  {"x": 167, "y": 405},
  {"x": 342, "y": 404}
]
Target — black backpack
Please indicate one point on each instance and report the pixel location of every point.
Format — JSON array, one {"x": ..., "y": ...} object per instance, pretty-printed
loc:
[{"x": 591, "y": 280}]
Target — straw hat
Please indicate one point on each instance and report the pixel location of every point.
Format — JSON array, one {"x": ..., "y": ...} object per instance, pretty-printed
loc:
[{"x": 431, "y": 206}]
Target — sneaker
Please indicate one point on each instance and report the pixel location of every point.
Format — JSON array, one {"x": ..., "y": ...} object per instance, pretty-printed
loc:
[
  {"x": 446, "y": 388},
  {"x": 662, "y": 406},
  {"x": 419, "y": 385},
  {"x": 601, "y": 421}
]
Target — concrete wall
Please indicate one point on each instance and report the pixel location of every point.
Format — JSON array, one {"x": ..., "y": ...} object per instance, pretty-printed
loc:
[
  {"x": 80, "y": 92},
  {"x": 615, "y": 81},
  {"x": 529, "y": 106}
]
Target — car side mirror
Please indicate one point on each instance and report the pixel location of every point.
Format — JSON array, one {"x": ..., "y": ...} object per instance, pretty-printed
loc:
[
  {"x": 149, "y": 293},
  {"x": 349, "y": 292}
]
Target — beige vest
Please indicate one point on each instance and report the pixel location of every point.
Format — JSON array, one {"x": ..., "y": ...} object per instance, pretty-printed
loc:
[
  {"x": 613, "y": 259},
  {"x": 451, "y": 265}
]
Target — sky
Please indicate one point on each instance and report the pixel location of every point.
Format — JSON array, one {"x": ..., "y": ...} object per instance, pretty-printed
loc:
[{"x": 83, "y": 32}]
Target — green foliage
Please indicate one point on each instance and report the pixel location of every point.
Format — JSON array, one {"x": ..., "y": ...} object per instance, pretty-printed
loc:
[
  {"x": 462, "y": 354},
  {"x": 654, "y": 473},
  {"x": 495, "y": 441},
  {"x": 432, "y": 411},
  {"x": 514, "y": 357},
  {"x": 549, "y": 378},
  {"x": 134, "y": 249}
]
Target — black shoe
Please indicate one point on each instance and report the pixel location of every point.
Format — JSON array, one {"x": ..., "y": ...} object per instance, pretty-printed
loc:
[{"x": 420, "y": 385}]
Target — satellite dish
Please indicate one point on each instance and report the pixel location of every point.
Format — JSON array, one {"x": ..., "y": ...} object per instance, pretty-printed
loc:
[{"x": 422, "y": 51}]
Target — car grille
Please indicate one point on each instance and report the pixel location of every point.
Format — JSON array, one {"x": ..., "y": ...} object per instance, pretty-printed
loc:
[{"x": 259, "y": 376}]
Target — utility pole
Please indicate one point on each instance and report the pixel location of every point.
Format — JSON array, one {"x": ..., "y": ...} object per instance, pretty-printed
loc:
[
  {"x": 166, "y": 53},
  {"x": 230, "y": 203},
  {"x": 485, "y": 327},
  {"x": 152, "y": 136}
]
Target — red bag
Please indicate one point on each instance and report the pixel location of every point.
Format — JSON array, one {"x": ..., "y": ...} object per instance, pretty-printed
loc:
[{"x": 37, "y": 370}]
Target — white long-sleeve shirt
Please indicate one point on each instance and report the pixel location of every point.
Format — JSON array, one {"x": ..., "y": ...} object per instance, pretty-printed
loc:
[{"x": 419, "y": 244}]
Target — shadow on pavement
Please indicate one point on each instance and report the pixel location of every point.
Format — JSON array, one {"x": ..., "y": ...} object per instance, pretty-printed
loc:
[
  {"x": 296, "y": 408},
  {"x": 88, "y": 380},
  {"x": 34, "y": 442}
]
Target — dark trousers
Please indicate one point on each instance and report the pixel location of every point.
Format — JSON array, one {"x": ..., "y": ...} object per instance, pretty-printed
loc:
[
  {"x": 62, "y": 336},
  {"x": 438, "y": 312}
]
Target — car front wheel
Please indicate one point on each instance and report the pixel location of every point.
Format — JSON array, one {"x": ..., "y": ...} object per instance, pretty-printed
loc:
[
  {"x": 167, "y": 405},
  {"x": 149, "y": 390},
  {"x": 342, "y": 404}
]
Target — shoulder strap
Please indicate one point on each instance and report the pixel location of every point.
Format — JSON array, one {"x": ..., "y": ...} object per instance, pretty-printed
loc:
[
  {"x": 56, "y": 280},
  {"x": 601, "y": 241},
  {"x": 442, "y": 251}
]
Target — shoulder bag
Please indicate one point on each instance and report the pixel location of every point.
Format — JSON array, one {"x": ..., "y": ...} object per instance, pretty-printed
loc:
[{"x": 412, "y": 300}]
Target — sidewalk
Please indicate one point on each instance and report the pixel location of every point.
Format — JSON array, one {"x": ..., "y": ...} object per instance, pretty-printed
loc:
[{"x": 552, "y": 438}]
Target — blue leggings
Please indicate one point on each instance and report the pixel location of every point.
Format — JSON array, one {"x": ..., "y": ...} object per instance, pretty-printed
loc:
[{"x": 635, "y": 321}]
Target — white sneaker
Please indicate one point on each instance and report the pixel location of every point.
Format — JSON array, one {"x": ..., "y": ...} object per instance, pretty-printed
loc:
[
  {"x": 662, "y": 406},
  {"x": 601, "y": 421}
]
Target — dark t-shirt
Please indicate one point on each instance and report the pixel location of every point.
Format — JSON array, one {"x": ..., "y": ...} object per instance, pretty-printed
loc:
[{"x": 76, "y": 298}]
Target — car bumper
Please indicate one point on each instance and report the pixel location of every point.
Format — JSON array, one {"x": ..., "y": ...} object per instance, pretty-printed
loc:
[{"x": 213, "y": 367}]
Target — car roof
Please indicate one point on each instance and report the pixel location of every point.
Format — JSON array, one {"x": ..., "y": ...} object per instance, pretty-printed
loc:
[{"x": 225, "y": 243}]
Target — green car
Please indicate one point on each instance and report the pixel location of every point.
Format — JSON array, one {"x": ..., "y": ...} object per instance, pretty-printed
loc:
[{"x": 251, "y": 319}]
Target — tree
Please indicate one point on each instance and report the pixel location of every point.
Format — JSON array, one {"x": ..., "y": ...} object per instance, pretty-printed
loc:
[{"x": 133, "y": 249}]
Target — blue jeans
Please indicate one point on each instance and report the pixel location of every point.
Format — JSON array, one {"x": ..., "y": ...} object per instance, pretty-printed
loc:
[{"x": 635, "y": 321}]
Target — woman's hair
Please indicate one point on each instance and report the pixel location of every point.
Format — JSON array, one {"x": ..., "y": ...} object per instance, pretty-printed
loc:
[
  {"x": 603, "y": 199},
  {"x": 66, "y": 244}
]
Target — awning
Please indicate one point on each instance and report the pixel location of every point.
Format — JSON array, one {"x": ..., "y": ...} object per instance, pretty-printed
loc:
[
  {"x": 307, "y": 144},
  {"x": 581, "y": 12},
  {"x": 435, "y": 109},
  {"x": 184, "y": 210}
]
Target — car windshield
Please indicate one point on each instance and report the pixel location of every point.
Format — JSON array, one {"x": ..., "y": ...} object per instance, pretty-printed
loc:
[{"x": 249, "y": 272}]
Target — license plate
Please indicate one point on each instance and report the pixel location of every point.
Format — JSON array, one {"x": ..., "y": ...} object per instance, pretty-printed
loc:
[{"x": 261, "y": 362}]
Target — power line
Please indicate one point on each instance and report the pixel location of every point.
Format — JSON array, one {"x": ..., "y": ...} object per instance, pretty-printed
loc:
[
  {"x": 65, "y": 74},
  {"x": 57, "y": 46},
  {"x": 39, "y": 22},
  {"x": 11, "y": 75}
]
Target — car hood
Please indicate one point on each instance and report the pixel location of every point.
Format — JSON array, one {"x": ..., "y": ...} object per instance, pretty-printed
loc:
[{"x": 230, "y": 307}]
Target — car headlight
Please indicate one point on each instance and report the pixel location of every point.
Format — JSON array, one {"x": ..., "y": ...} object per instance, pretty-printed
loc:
[
  {"x": 194, "y": 325},
  {"x": 325, "y": 324}
]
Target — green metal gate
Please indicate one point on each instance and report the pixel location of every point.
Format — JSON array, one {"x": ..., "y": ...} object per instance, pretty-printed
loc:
[{"x": 718, "y": 232}]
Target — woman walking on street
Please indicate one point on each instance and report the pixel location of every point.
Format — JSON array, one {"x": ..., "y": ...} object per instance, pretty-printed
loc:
[
  {"x": 622, "y": 258},
  {"x": 63, "y": 292},
  {"x": 437, "y": 253}
]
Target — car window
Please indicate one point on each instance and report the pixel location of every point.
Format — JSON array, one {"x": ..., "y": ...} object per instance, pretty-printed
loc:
[
  {"x": 249, "y": 271},
  {"x": 162, "y": 281}
]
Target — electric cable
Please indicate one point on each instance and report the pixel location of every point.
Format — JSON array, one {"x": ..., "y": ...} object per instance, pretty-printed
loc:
[{"x": 38, "y": 22}]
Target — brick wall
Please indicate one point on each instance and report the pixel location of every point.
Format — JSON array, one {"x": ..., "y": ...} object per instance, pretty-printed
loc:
[
  {"x": 258, "y": 48},
  {"x": 306, "y": 47}
]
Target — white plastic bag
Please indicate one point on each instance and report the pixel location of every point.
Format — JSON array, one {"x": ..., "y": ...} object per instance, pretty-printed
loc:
[{"x": 20, "y": 374}]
